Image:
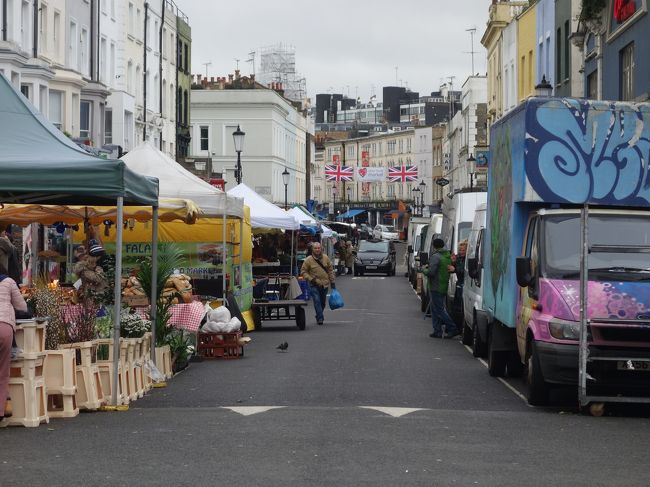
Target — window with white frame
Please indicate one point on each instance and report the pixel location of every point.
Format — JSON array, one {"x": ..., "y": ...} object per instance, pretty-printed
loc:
[
  {"x": 102, "y": 60},
  {"x": 56, "y": 33},
  {"x": 72, "y": 45},
  {"x": 131, "y": 30},
  {"x": 85, "y": 49},
  {"x": 85, "y": 119},
  {"x": 43, "y": 25},
  {"x": 56, "y": 109},
  {"x": 204, "y": 139},
  {"x": 627, "y": 72},
  {"x": 25, "y": 31},
  {"x": 129, "y": 77},
  {"x": 108, "y": 126},
  {"x": 111, "y": 78}
]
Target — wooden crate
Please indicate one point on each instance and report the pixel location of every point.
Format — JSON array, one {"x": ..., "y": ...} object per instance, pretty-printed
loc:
[{"x": 219, "y": 345}]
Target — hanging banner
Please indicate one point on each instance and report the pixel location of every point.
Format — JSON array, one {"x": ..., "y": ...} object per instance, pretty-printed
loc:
[
  {"x": 336, "y": 159},
  {"x": 365, "y": 162},
  {"x": 338, "y": 173},
  {"x": 402, "y": 173},
  {"x": 370, "y": 174}
]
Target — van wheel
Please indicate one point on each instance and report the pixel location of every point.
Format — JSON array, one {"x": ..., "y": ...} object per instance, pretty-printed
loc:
[
  {"x": 478, "y": 345},
  {"x": 467, "y": 334},
  {"x": 497, "y": 360},
  {"x": 537, "y": 390},
  {"x": 515, "y": 367}
]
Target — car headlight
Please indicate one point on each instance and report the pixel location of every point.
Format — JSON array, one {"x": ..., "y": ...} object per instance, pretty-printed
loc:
[{"x": 564, "y": 330}]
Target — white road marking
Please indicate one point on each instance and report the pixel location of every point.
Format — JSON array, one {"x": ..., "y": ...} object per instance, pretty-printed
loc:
[
  {"x": 394, "y": 412},
  {"x": 369, "y": 277},
  {"x": 250, "y": 410},
  {"x": 503, "y": 381}
]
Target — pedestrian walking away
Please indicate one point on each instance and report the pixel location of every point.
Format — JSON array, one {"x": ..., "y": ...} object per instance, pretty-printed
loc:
[
  {"x": 317, "y": 270},
  {"x": 349, "y": 257},
  {"x": 10, "y": 301},
  {"x": 437, "y": 273}
]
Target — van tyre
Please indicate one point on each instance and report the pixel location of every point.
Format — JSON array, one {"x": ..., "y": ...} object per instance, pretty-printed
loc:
[
  {"x": 515, "y": 367},
  {"x": 537, "y": 390},
  {"x": 497, "y": 360},
  {"x": 467, "y": 334},
  {"x": 478, "y": 345}
]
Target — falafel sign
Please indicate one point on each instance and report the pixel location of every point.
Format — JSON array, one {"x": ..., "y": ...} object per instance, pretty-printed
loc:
[
  {"x": 370, "y": 174},
  {"x": 199, "y": 260}
]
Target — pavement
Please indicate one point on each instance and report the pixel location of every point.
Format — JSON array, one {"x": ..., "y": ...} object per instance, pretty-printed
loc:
[{"x": 366, "y": 399}]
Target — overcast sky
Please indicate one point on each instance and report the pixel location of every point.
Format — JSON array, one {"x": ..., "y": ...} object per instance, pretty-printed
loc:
[{"x": 344, "y": 46}]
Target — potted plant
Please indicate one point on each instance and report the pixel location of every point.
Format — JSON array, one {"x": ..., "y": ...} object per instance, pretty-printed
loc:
[{"x": 180, "y": 348}]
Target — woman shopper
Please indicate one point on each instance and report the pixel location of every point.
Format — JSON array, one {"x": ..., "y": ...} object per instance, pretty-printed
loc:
[
  {"x": 318, "y": 272},
  {"x": 10, "y": 301}
]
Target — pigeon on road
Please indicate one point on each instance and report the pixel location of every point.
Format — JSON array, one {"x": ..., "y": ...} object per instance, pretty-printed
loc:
[{"x": 283, "y": 347}]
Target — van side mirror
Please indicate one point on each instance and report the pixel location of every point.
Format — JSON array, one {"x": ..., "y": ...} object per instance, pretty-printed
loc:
[
  {"x": 409, "y": 249},
  {"x": 424, "y": 258},
  {"x": 524, "y": 272},
  {"x": 472, "y": 268}
]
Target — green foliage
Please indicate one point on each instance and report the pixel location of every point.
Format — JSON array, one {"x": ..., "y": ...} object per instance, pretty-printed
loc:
[
  {"x": 132, "y": 325},
  {"x": 179, "y": 346},
  {"x": 48, "y": 302},
  {"x": 591, "y": 9},
  {"x": 169, "y": 258}
]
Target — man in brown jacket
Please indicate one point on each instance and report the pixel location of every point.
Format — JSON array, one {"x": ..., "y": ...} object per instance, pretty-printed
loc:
[{"x": 318, "y": 272}]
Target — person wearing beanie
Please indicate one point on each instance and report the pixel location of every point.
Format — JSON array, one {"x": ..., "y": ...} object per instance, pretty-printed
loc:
[{"x": 437, "y": 272}]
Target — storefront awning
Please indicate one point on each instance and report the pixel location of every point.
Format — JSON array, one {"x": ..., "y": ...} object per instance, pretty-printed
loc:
[{"x": 350, "y": 214}]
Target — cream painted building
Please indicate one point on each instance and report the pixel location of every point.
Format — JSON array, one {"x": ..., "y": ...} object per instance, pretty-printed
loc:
[{"x": 276, "y": 138}]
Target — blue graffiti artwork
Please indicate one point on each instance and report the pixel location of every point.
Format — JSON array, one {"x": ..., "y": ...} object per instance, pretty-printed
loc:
[{"x": 581, "y": 151}]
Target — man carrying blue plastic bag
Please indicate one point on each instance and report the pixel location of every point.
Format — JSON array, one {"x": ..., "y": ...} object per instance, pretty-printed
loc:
[{"x": 317, "y": 270}]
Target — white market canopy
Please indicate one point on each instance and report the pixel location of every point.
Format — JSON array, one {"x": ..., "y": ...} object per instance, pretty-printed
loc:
[
  {"x": 178, "y": 182},
  {"x": 264, "y": 214},
  {"x": 307, "y": 219}
]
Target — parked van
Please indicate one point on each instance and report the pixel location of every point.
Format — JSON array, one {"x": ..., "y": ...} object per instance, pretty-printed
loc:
[
  {"x": 473, "y": 286},
  {"x": 416, "y": 224},
  {"x": 458, "y": 215},
  {"x": 433, "y": 232}
]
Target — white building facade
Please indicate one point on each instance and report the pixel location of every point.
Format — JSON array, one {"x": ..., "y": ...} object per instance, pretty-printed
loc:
[
  {"x": 84, "y": 68},
  {"x": 276, "y": 138}
]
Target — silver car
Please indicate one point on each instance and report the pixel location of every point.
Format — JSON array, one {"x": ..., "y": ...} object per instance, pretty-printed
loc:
[{"x": 385, "y": 232}]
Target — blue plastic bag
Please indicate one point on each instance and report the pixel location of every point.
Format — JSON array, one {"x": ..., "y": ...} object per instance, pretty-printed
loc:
[{"x": 336, "y": 300}]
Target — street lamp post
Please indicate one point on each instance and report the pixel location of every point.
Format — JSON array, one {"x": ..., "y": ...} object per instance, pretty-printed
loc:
[
  {"x": 238, "y": 138},
  {"x": 422, "y": 186},
  {"x": 416, "y": 200},
  {"x": 285, "y": 180},
  {"x": 349, "y": 195},
  {"x": 334, "y": 202},
  {"x": 472, "y": 160}
]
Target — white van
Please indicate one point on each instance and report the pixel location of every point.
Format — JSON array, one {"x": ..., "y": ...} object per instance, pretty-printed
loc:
[
  {"x": 458, "y": 215},
  {"x": 416, "y": 224},
  {"x": 433, "y": 231},
  {"x": 473, "y": 287}
]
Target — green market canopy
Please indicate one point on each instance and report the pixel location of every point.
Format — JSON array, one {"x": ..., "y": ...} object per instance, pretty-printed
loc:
[{"x": 39, "y": 164}]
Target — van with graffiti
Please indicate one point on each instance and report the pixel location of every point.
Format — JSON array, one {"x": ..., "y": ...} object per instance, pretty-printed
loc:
[{"x": 548, "y": 158}]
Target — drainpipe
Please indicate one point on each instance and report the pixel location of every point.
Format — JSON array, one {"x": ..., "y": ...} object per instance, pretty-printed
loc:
[
  {"x": 144, "y": 78},
  {"x": 91, "y": 68},
  {"x": 35, "y": 52},
  {"x": 160, "y": 69},
  {"x": 4, "y": 20},
  {"x": 99, "y": 36},
  {"x": 177, "y": 115}
]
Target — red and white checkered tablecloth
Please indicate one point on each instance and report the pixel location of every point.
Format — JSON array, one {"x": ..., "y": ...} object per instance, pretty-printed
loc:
[{"x": 186, "y": 316}]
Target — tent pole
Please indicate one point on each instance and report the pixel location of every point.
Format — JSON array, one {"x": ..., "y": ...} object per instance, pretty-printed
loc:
[
  {"x": 118, "y": 299},
  {"x": 291, "y": 263},
  {"x": 154, "y": 281},
  {"x": 223, "y": 253},
  {"x": 34, "y": 257},
  {"x": 241, "y": 252}
]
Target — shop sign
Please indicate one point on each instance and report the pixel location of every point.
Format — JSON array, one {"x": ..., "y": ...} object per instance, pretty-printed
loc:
[
  {"x": 442, "y": 182},
  {"x": 370, "y": 174}
]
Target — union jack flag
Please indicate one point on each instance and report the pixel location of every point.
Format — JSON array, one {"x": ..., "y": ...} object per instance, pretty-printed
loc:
[
  {"x": 334, "y": 172},
  {"x": 402, "y": 173}
]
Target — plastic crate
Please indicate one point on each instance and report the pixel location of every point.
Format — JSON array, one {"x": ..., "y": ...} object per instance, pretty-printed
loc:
[{"x": 220, "y": 345}]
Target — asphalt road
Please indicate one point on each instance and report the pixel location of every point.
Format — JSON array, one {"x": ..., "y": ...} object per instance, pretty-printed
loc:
[{"x": 366, "y": 399}]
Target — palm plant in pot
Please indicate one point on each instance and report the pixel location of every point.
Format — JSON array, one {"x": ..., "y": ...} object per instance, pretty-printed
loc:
[{"x": 169, "y": 258}]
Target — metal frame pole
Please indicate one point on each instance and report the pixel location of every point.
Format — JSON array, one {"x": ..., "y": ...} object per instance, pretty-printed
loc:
[
  {"x": 241, "y": 253},
  {"x": 118, "y": 298},
  {"x": 154, "y": 281},
  {"x": 584, "y": 320},
  {"x": 223, "y": 251}
]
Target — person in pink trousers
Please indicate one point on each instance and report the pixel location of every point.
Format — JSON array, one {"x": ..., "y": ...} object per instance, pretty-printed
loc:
[{"x": 10, "y": 300}]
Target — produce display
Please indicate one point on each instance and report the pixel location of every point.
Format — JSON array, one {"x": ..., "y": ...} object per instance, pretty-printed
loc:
[{"x": 178, "y": 288}]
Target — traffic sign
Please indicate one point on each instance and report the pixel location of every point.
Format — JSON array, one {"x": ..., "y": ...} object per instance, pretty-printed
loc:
[{"x": 442, "y": 182}]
